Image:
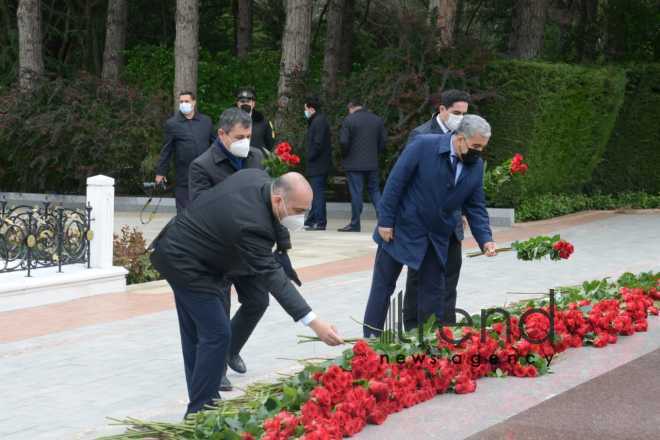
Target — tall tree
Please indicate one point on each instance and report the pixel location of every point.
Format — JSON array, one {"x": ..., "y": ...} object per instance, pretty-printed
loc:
[
  {"x": 243, "y": 26},
  {"x": 587, "y": 37},
  {"x": 115, "y": 39},
  {"x": 30, "y": 47},
  {"x": 332, "y": 46},
  {"x": 346, "y": 49},
  {"x": 295, "y": 49},
  {"x": 528, "y": 26},
  {"x": 443, "y": 12},
  {"x": 186, "y": 47}
]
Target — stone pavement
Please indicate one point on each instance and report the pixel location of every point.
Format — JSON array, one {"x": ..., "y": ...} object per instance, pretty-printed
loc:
[{"x": 66, "y": 367}]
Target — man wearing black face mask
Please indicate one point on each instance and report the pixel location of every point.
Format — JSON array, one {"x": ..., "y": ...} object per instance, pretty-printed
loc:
[
  {"x": 435, "y": 176},
  {"x": 262, "y": 130}
]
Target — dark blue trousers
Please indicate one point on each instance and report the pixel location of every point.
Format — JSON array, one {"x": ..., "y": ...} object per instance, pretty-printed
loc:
[
  {"x": 356, "y": 188},
  {"x": 205, "y": 336},
  {"x": 318, "y": 214},
  {"x": 432, "y": 297}
]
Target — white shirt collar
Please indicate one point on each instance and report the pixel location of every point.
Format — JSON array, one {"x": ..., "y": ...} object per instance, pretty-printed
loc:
[{"x": 442, "y": 125}]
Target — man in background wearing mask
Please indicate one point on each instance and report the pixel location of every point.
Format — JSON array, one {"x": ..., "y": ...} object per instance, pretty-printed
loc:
[
  {"x": 319, "y": 161},
  {"x": 262, "y": 130},
  {"x": 453, "y": 104},
  {"x": 203, "y": 246},
  {"x": 435, "y": 176},
  {"x": 231, "y": 152},
  {"x": 187, "y": 135}
]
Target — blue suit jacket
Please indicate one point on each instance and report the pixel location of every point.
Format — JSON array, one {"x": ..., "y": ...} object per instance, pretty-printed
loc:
[{"x": 420, "y": 199}]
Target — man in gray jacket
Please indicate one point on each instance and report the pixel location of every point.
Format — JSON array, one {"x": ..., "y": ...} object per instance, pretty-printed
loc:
[{"x": 362, "y": 138}]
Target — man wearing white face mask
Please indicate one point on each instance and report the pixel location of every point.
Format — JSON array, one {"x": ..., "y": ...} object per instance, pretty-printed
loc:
[
  {"x": 453, "y": 104},
  {"x": 204, "y": 245},
  {"x": 187, "y": 135},
  {"x": 230, "y": 153}
]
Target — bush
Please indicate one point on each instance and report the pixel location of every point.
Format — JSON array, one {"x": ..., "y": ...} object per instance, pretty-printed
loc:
[
  {"x": 70, "y": 129},
  {"x": 632, "y": 159},
  {"x": 130, "y": 252},
  {"x": 553, "y": 205},
  {"x": 558, "y": 116}
]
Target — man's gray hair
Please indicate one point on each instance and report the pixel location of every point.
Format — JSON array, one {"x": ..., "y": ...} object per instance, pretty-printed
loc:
[
  {"x": 232, "y": 116},
  {"x": 473, "y": 124}
]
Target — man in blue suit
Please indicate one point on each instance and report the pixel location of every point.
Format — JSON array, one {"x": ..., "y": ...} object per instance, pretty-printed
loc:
[{"x": 435, "y": 176}]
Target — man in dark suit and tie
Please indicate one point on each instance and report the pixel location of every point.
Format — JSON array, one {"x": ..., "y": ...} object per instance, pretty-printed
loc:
[
  {"x": 435, "y": 176},
  {"x": 453, "y": 104}
]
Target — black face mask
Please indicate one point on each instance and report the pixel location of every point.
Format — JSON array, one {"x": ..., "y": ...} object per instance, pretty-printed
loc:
[
  {"x": 246, "y": 108},
  {"x": 471, "y": 156}
]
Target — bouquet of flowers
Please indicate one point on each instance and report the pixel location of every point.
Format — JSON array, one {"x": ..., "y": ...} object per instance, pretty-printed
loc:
[
  {"x": 539, "y": 247},
  {"x": 281, "y": 161},
  {"x": 504, "y": 173}
]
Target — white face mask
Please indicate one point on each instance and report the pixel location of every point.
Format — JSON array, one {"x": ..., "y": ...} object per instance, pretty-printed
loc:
[
  {"x": 292, "y": 222},
  {"x": 453, "y": 121},
  {"x": 240, "y": 148},
  {"x": 185, "y": 107}
]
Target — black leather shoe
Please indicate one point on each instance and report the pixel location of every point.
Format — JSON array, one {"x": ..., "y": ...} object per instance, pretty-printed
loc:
[
  {"x": 236, "y": 363},
  {"x": 225, "y": 385},
  {"x": 349, "y": 228}
]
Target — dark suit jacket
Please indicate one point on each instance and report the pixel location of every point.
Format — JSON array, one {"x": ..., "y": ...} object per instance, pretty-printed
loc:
[
  {"x": 319, "y": 149},
  {"x": 185, "y": 139},
  {"x": 420, "y": 199},
  {"x": 362, "y": 138},
  {"x": 229, "y": 230},
  {"x": 432, "y": 127},
  {"x": 214, "y": 166}
]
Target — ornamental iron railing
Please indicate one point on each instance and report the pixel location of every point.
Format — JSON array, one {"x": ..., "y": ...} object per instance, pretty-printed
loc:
[{"x": 33, "y": 237}]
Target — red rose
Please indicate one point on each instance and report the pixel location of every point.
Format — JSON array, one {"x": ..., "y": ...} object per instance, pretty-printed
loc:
[
  {"x": 282, "y": 147},
  {"x": 294, "y": 159},
  {"x": 286, "y": 156}
]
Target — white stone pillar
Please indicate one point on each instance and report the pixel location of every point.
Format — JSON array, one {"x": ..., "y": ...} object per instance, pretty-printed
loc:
[{"x": 101, "y": 197}]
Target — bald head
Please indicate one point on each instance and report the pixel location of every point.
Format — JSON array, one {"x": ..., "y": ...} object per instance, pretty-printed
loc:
[{"x": 291, "y": 195}]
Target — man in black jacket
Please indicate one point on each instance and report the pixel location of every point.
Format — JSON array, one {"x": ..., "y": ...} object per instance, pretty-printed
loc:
[
  {"x": 262, "y": 131},
  {"x": 201, "y": 247},
  {"x": 187, "y": 135},
  {"x": 362, "y": 138},
  {"x": 450, "y": 107},
  {"x": 319, "y": 161},
  {"x": 224, "y": 158}
]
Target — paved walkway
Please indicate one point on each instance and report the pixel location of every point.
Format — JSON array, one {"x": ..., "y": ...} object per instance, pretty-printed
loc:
[{"x": 65, "y": 367}]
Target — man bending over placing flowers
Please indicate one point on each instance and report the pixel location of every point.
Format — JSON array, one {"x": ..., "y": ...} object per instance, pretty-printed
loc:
[{"x": 436, "y": 175}]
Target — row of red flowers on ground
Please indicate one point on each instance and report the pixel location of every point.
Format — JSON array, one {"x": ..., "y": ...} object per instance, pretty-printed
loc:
[{"x": 345, "y": 400}]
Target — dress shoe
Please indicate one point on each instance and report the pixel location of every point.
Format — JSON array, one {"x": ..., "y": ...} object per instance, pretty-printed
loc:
[
  {"x": 236, "y": 363},
  {"x": 225, "y": 385},
  {"x": 349, "y": 228},
  {"x": 314, "y": 228}
]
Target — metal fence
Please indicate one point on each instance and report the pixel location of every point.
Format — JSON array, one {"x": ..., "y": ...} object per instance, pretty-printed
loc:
[{"x": 33, "y": 237}]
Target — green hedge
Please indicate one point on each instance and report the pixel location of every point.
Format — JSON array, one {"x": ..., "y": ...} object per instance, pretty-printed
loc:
[
  {"x": 632, "y": 159},
  {"x": 70, "y": 129},
  {"x": 558, "y": 116},
  {"x": 552, "y": 205}
]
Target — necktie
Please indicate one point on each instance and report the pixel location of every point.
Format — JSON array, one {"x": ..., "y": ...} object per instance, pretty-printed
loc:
[{"x": 454, "y": 163}]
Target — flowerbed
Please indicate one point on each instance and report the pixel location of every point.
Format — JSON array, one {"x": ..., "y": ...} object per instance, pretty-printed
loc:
[{"x": 374, "y": 379}]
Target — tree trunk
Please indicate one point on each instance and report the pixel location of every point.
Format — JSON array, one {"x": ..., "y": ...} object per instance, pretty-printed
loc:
[
  {"x": 444, "y": 12},
  {"x": 528, "y": 26},
  {"x": 30, "y": 48},
  {"x": 346, "y": 50},
  {"x": 587, "y": 30},
  {"x": 243, "y": 25},
  {"x": 115, "y": 39},
  {"x": 332, "y": 45},
  {"x": 295, "y": 48},
  {"x": 186, "y": 53}
]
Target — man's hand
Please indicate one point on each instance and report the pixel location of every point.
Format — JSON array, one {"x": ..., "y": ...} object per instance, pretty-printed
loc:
[
  {"x": 325, "y": 331},
  {"x": 160, "y": 179},
  {"x": 284, "y": 260},
  {"x": 386, "y": 234},
  {"x": 489, "y": 249}
]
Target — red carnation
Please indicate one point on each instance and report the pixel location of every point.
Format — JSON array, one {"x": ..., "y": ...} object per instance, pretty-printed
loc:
[
  {"x": 517, "y": 165},
  {"x": 377, "y": 417},
  {"x": 294, "y": 159}
]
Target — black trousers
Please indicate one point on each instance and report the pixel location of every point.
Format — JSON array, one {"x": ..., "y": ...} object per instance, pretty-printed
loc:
[
  {"x": 205, "y": 336},
  {"x": 254, "y": 302},
  {"x": 433, "y": 294},
  {"x": 452, "y": 271}
]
